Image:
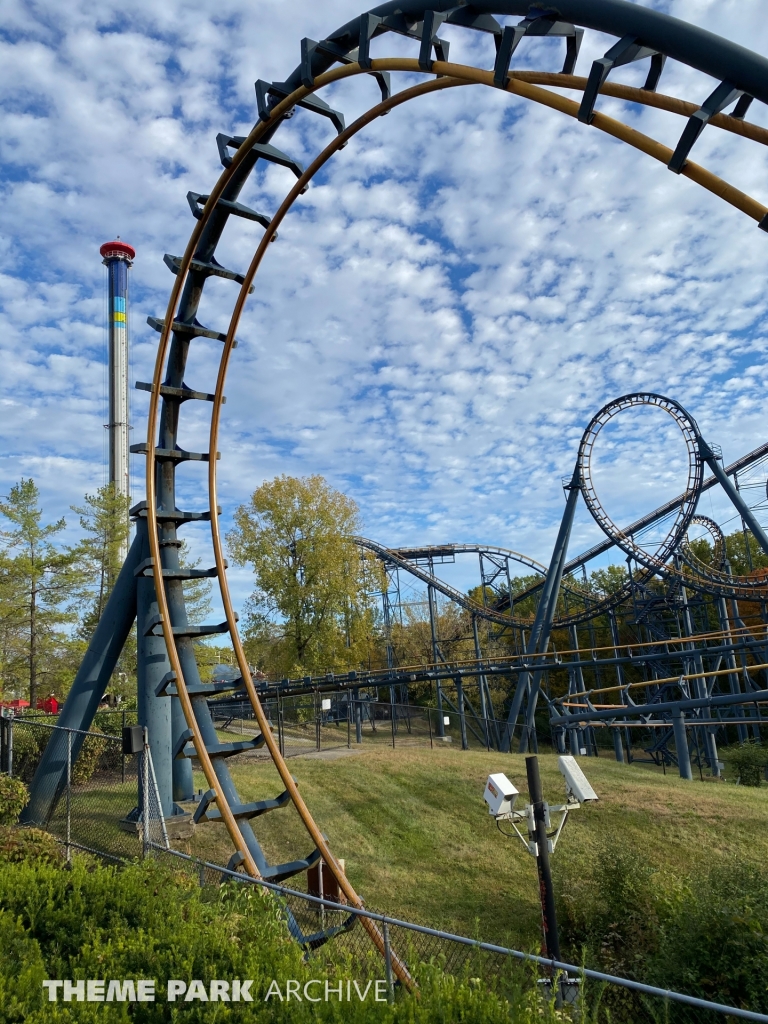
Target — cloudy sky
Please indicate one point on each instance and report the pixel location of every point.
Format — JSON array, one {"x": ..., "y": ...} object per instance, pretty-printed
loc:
[{"x": 445, "y": 309}]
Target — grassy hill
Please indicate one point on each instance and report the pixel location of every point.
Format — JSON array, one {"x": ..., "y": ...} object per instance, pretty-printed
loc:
[{"x": 419, "y": 843}]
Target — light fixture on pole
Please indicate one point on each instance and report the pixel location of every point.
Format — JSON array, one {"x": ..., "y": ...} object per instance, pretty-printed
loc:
[{"x": 501, "y": 796}]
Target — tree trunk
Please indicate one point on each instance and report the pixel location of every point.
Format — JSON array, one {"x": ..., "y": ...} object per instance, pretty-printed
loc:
[{"x": 33, "y": 650}]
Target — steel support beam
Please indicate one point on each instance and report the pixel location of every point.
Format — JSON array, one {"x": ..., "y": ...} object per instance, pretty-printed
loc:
[{"x": 87, "y": 690}]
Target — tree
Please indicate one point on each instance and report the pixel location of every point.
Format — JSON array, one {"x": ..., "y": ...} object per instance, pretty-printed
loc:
[
  {"x": 197, "y": 593},
  {"x": 104, "y": 518},
  {"x": 744, "y": 553},
  {"x": 311, "y": 610},
  {"x": 41, "y": 584}
]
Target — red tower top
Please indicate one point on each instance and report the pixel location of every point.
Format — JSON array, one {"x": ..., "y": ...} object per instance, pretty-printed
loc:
[{"x": 117, "y": 248}]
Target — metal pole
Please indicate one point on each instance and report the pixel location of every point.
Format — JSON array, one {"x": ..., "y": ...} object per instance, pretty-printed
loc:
[
  {"x": 481, "y": 680},
  {"x": 358, "y": 717},
  {"x": 69, "y": 795},
  {"x": 152, "y": 664},
  {"x": 349, "y": 719},
  {"x": 118, "y": 258},
  {"x": 163, "y": 830},
  {"x": 545, "y": 613},
  {"x": 317, "y": 720},
  {"x": 10, "y": 747},
  {"x": 145, "y": 796},
  {"x": 462, "y": 715},
  {"x": 700, "y": 686},
  {"x": 392, "y": 720},
  {"x": 122, "y": 755},
  {"x": 551, "y": 941},
  {"x": 617, "y": 747},
  {"x": 733, "y": 676},
  {"x": 280, "y": 729},
  {"x": 435, "y": 658},
  {"x": 738, "y": 502},
  {"x": 429, "y": 722},
  {"x": 619, "y": 670},
  {"x": 388, "y": 963},
  {"x": 86, "y": 691},
  {"x": 681, "y": 745}
]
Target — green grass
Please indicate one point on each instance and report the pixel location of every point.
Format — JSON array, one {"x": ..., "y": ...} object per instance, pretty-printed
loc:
[{"x": 419, "y": 843}]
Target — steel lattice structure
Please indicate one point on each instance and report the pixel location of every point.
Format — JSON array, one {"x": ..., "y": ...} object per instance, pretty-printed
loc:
[{"x": 173, "y": 700}]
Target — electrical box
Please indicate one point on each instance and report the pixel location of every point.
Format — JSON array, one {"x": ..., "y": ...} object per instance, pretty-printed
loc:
[
  {"x": 500, "y": 794},
  {"x": 133, "y": 740}
]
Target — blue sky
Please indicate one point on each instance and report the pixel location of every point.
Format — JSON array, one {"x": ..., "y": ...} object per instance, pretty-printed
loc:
[{"x": 445, "y": 309}]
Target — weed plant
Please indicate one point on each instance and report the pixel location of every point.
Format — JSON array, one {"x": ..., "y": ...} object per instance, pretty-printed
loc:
[{"x": 705, "y": 934}]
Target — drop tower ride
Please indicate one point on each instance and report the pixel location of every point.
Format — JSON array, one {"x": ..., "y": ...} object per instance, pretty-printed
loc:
[{"x": 118, "y": 258}]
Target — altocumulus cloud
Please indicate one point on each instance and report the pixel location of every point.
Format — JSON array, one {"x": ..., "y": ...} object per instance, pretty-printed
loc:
[{"x": 456, "y": 295}]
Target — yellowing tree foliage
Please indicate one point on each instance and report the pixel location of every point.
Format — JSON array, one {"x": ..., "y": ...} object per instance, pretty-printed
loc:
[{"x": 311, "y": 610}]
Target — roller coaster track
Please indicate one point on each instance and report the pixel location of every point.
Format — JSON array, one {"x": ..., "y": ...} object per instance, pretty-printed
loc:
[
  {"x": 403, "y": 558},
  {"x": 708, "y": 578},
  {"x": 642, "y": 33}
]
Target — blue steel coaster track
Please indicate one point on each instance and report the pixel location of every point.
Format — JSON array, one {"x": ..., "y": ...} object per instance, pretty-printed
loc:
[
  {"x": 711, "y": 578},
  {"x": 642, "y": 33}
]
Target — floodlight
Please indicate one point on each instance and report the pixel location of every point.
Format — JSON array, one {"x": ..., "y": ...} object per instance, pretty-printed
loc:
[
  {"x": 500, "y": 794},
  {"x": 576, "y": 784}
]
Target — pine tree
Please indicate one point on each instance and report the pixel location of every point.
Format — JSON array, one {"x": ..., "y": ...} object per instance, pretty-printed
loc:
[
  {"x": 104, "y": 518},
  {"x": 42, "y": 583}
]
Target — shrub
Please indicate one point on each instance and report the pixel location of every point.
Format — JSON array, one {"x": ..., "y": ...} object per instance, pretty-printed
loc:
[
  {"x": 145, "y": 921},
  {"x": 748, "y": 762},
  {"x": 88, "y": 759},
  {"x": 28, "y": 744},
  {"x": 13, "y": 798},
  {"x": 706, "y": 935},
  {"x": 28, "y": 844},
  {"x": 716, "y": 944}
]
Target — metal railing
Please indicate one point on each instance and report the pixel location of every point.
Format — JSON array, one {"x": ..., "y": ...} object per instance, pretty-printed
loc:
[{"x": 208, "y": 873}]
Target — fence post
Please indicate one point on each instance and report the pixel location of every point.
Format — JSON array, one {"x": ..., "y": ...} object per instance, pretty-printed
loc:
[
  {"x": 317, "y": 720},
  {"x": 280, "y": 727},
  {"x": 429, "y": 721},
  {"x": 349, "y": 719},
  {"x": 69, "y": 795},
  {"x": 358, "y": 717},
  {"x": 388, "y": 963},
  {"x": 122, "y": 756},
  {"x": 10, "y": 747},
  {"x": 145, "y": 796},
  {"x": 462, "y": 714},
  {"x": 392, "y": 719}
]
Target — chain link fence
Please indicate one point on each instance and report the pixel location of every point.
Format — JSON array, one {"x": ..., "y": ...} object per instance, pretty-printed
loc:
[
  {"x": 587, "y": 996},
  {"x": 99, "y": 807},
  {"x": 100, "y": 811}
]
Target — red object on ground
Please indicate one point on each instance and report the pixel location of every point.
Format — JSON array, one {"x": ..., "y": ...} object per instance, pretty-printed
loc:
[
  {"x": 50, "y": 705},
  {"x": 117, "y": 248}
]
